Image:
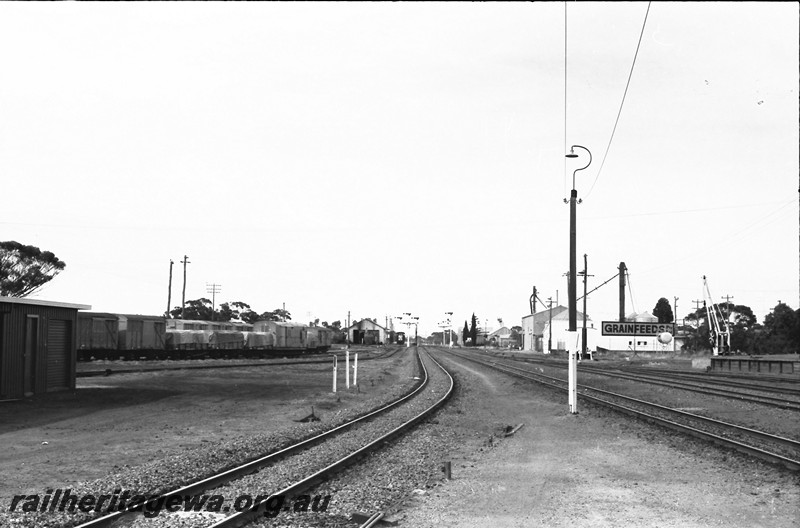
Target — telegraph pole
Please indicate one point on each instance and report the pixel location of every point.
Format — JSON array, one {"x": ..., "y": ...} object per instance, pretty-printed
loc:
[
  {"x": 550, "y": 326},
  {"x": 533, "y": 323},
  {"x": 697, "y": 304},
  {"x": 583, "y": 331},
  {"x": 727, "y": 305},
  {"x": 213, "y": 289},
  {"x": 675, "y": 311},
  {"x": 622, "y": 270},
  {"x": 185, "y": 261},
  {"x": 675, "y": 319},
  {"x": 169, "y": 289}
]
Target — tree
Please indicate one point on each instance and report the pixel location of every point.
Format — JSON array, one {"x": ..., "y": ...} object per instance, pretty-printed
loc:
[
  {"x": 25, "y": 269},
  {"x": 198, "y": 309},
  {"x": 277, "y": 315},
  {"x": 782, "y": 327},
  {"x": 516, "y": 335},
  {"x": 224, "y": 313},
  {"x": 663, "y": 311},
  {"x": 473, "y": 330},
  {"x": 742, "y": 325},
  {"x": 246, "y": 314},
  {"x": 465, "y": 334},
  {"x": 336, "y": 325},
  {"x": 746, "y": 335}
]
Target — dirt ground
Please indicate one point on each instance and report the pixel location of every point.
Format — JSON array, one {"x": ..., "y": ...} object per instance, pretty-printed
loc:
[
  {"x": 59, "y": 439},
  {"x": 596, "y": 468}
]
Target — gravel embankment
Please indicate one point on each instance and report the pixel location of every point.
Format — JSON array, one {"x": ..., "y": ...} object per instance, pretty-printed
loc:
[
  {"x": 165, "y": 473},
  {"x": 283, "y": 473}
]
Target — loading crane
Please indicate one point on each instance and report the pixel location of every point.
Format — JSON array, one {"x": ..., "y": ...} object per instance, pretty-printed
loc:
[{"x": 718, "y": 332}]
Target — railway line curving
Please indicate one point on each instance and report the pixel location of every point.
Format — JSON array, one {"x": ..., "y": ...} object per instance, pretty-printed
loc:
[{"x": 299, "y": 467}]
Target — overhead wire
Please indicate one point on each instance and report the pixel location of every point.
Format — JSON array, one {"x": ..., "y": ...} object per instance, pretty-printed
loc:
[
  {"x": 622, "y": 103},
  {"x": 630, "y": 290},
  {"x": 565, "y": 97}
]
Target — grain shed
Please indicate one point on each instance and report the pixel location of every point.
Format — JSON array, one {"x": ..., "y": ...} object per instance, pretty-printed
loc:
[{"x": 38, "y": 346}]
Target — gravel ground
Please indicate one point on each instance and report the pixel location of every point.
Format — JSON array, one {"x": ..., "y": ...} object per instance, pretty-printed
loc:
[
  {"x": 596, "y": 468},
  {"x": 190, "y": 423},
  {"x": 285, "y": 472},
  {"x": 766, "y": 418}
]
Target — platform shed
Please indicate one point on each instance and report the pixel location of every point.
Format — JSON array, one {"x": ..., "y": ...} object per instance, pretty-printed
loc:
[{"x": 38, "y": 346}]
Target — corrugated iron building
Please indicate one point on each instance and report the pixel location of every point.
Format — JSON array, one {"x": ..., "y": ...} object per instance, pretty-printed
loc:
[
  {"x": 38, "y": 346},
  {"x": 367, "y": 332}
]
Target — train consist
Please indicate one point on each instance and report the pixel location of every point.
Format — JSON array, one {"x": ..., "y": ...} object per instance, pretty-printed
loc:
[{"x": 123, "y": 336}]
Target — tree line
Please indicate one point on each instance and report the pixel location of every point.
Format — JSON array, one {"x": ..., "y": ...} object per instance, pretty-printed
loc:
[{"x": 778, "y": 334}]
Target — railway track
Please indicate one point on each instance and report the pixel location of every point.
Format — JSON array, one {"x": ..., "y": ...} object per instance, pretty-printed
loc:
[
  {"x": 774, "y": 385},
  {"x": 225, "y": 363},
  {"x": 297, "y": 468},
  {"x": 772, "y": 448},
  {"x": 775, "y": 396}
]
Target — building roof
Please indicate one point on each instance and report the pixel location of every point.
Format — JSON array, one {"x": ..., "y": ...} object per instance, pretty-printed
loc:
[
  {"x": 502, "y": 330},
  {"x": 39, "y": 302},
  {"x": 560, "y": 313},
  {"x": 365, "y": 322},
  {"x": 642, "y": 317}
]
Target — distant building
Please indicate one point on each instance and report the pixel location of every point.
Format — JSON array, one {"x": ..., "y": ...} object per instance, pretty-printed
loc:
[
  {"x": 502, "y": 338},
  {"x": 367, "y": 332},
  {"x": 537, "y": 332}
]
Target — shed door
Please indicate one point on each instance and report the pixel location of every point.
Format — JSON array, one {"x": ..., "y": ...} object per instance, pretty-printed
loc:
[
  {"x": 29, "y": 360},
  {"x": 58, "y": 354}
]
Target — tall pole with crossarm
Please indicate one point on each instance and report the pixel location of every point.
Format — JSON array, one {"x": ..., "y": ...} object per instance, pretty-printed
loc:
[{"x": 573, "y": 315}]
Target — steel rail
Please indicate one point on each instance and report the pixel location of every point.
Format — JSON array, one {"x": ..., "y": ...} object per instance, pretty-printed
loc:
[
  {"x": 244, "y": 517},
  {"x": 685, "y": 385},
  {"x": 754, "y": 398},
  {"x": 745, "y": 448},
  {"x": 717, "y": 380},
  {"x": 327, "y": 359},
  {"x": 255, "y": 465}
]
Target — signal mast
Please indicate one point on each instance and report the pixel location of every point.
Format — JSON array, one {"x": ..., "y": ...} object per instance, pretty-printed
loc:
[{"x": 718, "y": 332}]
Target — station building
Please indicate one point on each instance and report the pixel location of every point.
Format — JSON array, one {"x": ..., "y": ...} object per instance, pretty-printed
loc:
[{"x": 38, "y": 346}]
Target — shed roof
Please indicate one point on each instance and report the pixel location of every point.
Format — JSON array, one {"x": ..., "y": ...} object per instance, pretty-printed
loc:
[{"x": 39, "y": 302}]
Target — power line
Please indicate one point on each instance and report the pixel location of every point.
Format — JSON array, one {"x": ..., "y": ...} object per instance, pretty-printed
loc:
[
  {"x": 630, "y": 291},
  {"x": 621, "y": 103},
  {"x": 565, "y": 97}
]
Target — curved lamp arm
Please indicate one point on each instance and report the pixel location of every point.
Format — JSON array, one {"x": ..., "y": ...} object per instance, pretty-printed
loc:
[{"x": 573, "y": 155}]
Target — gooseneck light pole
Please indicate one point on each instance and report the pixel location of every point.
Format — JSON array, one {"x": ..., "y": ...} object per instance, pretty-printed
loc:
[{"x": 573, "y": 316}]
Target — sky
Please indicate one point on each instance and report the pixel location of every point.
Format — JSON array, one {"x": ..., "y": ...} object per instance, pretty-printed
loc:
[{"x": 378, "y": 159}]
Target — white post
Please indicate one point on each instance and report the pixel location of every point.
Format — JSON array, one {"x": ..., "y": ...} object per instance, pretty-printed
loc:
[
  {"x": 334, "y": 373},
  {"x": 572, "y": 349},
  {"x": 347, "y": 369},
  {"x": 355, "y": 370}
]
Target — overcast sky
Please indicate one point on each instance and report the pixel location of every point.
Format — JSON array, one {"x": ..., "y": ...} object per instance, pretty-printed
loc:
[{"x": 385, "y": 158}]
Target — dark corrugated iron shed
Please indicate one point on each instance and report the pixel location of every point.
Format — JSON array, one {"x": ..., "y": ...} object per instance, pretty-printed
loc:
[{"x": 38, "y": 346}]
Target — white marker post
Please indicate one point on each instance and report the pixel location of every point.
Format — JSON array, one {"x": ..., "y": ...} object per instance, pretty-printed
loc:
[
  {"x": 334, "y": 373},
  {"x": 355, "y": 370},
  {"x": 347, "y": 369},
  {"x": 572, "y": 346}
]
